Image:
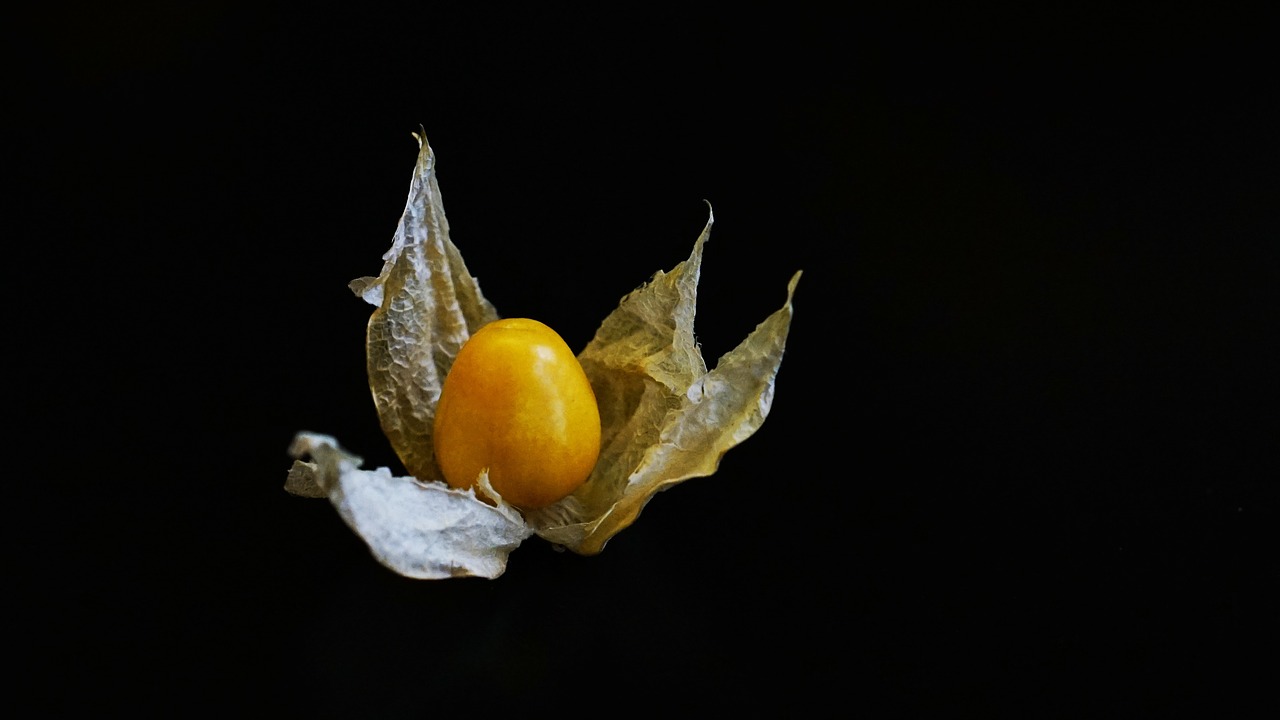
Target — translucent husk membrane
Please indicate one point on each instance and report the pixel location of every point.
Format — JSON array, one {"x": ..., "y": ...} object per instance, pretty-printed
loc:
[{"x": 664, "y": 417}]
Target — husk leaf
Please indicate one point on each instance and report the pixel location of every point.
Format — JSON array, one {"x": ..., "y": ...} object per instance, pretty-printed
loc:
[{"x": 664, "y": 417}]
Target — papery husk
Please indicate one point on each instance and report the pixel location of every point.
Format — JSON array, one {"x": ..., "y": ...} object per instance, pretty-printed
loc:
[
  {"x": 428, "y": 305},
  {"x": 423, "y": 530},
  {"x": 664, "y": 417}
]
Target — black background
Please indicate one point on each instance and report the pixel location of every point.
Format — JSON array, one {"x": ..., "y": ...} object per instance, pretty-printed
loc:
[{"x": 1018, "y": 461}]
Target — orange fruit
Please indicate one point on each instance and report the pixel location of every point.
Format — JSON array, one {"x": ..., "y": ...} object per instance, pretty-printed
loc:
[{"x": 517, "y": 402}]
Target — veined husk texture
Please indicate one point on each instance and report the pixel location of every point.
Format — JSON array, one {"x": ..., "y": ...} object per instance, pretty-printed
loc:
[{"x": 665, "y": 418}]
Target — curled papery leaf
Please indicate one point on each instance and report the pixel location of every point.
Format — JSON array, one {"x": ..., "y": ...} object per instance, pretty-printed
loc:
[
  {"x": 427, "y": 306},
  {"x": 420, "y": 530},
  {"x": 664, "y": 417}
]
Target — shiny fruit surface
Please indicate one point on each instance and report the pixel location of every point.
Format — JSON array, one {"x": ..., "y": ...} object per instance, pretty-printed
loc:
[{"x": 517, "y": 402}]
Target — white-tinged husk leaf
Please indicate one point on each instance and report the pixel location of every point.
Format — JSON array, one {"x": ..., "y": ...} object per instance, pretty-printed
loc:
[
  {"x": 420, "y": 530},
  {"x": 664, "y": 417}
]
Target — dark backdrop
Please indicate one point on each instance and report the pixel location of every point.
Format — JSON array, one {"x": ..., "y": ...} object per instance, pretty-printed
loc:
[{"x": 1017, "y": 462}]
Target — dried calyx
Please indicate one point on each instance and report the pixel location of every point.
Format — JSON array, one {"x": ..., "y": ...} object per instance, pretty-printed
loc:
[{"x": 665, "y": 417}]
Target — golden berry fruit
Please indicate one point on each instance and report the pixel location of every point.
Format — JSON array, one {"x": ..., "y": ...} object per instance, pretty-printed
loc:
[{"x": 518, "y": 403}]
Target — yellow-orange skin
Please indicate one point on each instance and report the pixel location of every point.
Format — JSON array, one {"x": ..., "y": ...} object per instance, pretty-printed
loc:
[{"x": 517, "y": 402}]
